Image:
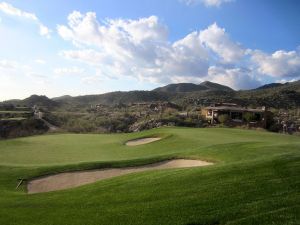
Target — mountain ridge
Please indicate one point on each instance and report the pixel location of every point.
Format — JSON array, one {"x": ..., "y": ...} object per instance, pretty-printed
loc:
[
  {"x": 191, "y": 87},
  {"x": 278, "y": 96}
]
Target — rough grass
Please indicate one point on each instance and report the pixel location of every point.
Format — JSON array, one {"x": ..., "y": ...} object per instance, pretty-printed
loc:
[{"x": 255, "y": 179}]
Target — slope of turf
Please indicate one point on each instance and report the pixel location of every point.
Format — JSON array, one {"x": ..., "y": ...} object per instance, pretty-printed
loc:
[{"x": 255, "y": 179}]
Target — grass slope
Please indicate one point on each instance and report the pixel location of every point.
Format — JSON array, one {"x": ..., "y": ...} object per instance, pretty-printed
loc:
[{"x": 255, "y": 179}]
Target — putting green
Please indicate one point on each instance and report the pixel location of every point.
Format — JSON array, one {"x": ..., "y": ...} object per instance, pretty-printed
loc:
[{"x": 62, "y": 149}]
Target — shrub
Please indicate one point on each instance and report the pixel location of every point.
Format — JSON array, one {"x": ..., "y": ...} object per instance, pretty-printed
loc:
[
  {"x": 13, "y": 128},
  {"x": 248, "y": 117},
  {"x": 223, "y": 118}
]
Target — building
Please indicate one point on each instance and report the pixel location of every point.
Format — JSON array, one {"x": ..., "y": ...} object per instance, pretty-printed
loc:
[{"x": 236, "y": 115}]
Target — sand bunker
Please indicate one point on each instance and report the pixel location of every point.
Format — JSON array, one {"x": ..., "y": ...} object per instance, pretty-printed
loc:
[
  {"x": 141, "y": 141},
  {"x": 74, "y": 179}
]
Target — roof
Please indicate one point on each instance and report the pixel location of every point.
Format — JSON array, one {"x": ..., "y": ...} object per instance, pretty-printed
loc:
[
  {"x": 226, "y": 104},
  {"x": 238, "y": 109}
]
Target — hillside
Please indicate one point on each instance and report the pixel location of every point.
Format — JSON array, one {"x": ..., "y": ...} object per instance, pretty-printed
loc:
[
  {"x": 113, "y": 98},
  {"x": 190, "y": 87},
  {"x": 267, "y": 86},
  {"x": 273, "y": 95},
  {"x": 39, "y": 100},
  {"x": 278, "y": 96}
]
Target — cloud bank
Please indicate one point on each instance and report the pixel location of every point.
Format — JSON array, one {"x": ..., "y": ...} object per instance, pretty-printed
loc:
[
  {"x": 280, "y": 64},
  {"x": 141, "y": 49}
]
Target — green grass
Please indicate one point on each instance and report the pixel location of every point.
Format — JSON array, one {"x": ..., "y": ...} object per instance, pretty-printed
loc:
[{"x": 255, "y": 179}]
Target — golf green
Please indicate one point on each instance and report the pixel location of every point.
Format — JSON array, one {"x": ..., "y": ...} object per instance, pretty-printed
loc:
[{"x": 254, "y": 179}]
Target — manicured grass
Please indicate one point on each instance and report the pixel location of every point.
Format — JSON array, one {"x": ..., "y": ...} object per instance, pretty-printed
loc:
[{"x": 255, "y": 179}]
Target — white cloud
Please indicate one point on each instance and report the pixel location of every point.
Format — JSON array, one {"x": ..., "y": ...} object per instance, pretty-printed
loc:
[
  {"x": 16, "y": 70},
  {"x": 138, "y": 48},
  {"x": 69, "y": 71},
  {"x": 40, "y": 61},
  {"x": 91, "y": 80},
  {"x": 219, "y": 42},
  {"x": 208, "y": 3},
  {"x": 44, "y": 31},
  {"x": 141, "y": 49},
  {"x": 6, "y": 64},
  {"x": 12, "y": 11},
  {"x": 285, "y": 80},
  {"x": 279, "y": 64},
  {"x": 38, "y": 78},
  {"x": 35, "y": 75},
  {"x": 237, "y": 78},
  {"x": 85, "y": 29},
  {"x": 89, "y": 56}
]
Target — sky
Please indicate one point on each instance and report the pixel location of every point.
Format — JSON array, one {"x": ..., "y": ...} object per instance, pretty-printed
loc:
[{"x": 76, "y": 47}]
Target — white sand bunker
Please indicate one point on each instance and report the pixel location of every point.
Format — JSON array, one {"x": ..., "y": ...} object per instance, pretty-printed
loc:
[
  {"x": 74, "y": 179},
  {"x": 141, "y": 141}
]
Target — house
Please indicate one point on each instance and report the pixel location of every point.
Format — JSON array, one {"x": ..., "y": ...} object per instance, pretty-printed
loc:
[{"x": 236, "y": 115}]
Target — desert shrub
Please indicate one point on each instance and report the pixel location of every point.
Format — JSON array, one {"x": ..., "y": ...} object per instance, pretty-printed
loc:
[
  {"x": 170, "y": 111},
  {"x": 223, "y": 118},
  {"x": 13, "y": 129},
  {"x": 274, "y": 127},
  {"x": 117, "y": 124}
]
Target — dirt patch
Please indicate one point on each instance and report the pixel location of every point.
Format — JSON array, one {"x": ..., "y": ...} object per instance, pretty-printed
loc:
[
  {"x": 141, "y": 141},
  {"x": 74, "y": 179}
]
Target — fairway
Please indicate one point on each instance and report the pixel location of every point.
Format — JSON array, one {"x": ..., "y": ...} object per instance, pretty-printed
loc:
[{"x": 254, "y": 178}]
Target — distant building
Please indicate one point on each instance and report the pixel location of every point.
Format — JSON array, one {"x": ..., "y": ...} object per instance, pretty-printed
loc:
[{"x": 236, "y": 114}]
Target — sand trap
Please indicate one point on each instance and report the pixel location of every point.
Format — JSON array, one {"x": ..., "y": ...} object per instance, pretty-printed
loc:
[
  {"x": 141, "y": 141},
  {"x": 74, "y": 179}
]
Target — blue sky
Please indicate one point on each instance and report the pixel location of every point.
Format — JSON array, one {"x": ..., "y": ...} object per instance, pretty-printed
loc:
[{"x": 90, "y": 47}]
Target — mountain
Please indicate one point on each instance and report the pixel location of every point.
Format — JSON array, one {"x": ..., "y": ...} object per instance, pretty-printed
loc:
[
  {"x": 113, "y": 98},
  {"x": 190, "y": 87},
  {"x": 215, "y": 86},
  {"x": 181, "y": 87},
  {"x": 271, "y": 85},
  {"x": 273, "y": 95},
  {"x": 39, "y": 100},
  {"x": 64, "y": 97}
]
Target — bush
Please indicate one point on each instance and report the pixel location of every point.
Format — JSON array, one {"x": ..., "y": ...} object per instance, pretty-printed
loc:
[
  {"x": 275, "y": 128},
  {"x": 248, "y": 117},
  {"x": 223, "y": 118},
  {"x": 13, "y": 129}
]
